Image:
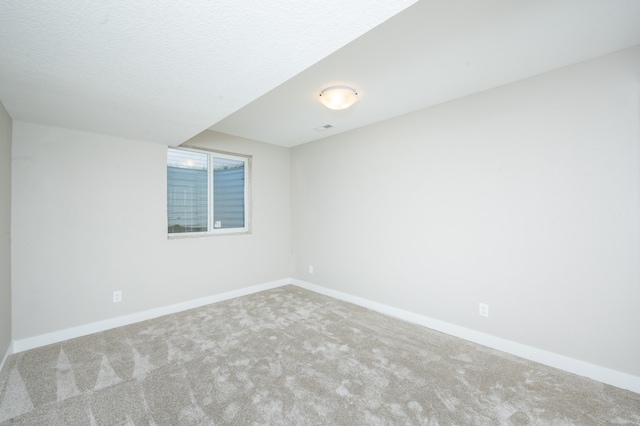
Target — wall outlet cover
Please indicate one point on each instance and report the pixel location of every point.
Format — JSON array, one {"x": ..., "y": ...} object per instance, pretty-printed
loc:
[{"x": 483, "y": 310}]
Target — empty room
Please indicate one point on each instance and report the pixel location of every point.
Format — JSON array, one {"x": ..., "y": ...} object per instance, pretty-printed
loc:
[{"x": 356, "y": 213}]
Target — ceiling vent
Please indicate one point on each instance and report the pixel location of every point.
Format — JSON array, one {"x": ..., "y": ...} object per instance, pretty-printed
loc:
[{"x": 323, "y": 128}]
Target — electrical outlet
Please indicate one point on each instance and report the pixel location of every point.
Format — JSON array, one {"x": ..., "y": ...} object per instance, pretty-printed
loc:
[
  {"x": 483, "y": 310},
  {"x": 311, "y": 269},
  {"x": 117, "y": 296}
]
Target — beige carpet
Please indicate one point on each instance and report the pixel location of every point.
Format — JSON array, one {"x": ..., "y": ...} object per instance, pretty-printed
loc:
[{"x": 292, "y": 357}]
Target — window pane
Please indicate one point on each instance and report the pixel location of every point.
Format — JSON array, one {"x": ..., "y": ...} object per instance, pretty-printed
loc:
[
  {"x": 228, "y": 193},
  {"x": 187, "y": 191}
]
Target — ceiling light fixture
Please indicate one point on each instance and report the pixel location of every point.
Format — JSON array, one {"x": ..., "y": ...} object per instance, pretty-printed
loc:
[{"x": 338, "y": 97}]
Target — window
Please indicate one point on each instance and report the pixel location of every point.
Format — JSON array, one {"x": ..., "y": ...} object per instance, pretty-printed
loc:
[{"x": 207, "y": 192}]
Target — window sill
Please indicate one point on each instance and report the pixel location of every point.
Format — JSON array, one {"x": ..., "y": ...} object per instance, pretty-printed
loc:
[{"x": 182, "y": 235}]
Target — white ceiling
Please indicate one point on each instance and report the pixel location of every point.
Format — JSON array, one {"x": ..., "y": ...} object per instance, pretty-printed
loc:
[
  {"x": 163, "y": 71},
  {"x": 433, "y": 52}
]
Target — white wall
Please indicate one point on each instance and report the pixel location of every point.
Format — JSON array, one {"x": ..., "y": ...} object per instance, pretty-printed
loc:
[
  {"x": 525, "y": 197},
  {"x": 5, "y": 232},
  {"x": 89, "y": 217}
]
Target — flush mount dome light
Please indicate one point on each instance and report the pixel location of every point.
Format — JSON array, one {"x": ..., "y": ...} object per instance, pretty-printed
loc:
[{"x": 338, "y": 97}]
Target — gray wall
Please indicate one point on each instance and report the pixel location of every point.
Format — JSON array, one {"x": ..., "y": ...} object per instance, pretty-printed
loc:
[
  {"x": 524, "y": 197},
  {"x": 5, "y": 232},
  {"x": 89, "y": 218}
]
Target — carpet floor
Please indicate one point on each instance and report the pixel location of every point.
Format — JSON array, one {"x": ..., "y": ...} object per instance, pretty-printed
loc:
[{"x": 289, "y": 356}]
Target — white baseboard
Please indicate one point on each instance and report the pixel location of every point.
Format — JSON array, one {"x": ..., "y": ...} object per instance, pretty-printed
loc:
[
  {"x": 95, "y": 327},
  {"x": 6, "y": 356},
  {"x": 571, "y": 365}
]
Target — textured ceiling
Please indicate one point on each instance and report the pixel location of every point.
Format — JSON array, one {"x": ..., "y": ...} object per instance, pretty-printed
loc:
[
  {"x": 436, "y": 51},
  {"x": 162, "y": 70}
]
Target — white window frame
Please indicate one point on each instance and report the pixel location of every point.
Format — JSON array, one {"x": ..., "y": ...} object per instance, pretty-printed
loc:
[{"x": 212, "y": 230}]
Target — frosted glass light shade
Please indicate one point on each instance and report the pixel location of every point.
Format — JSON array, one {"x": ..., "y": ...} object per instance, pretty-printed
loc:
[{"x": 338, "y": 97}]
